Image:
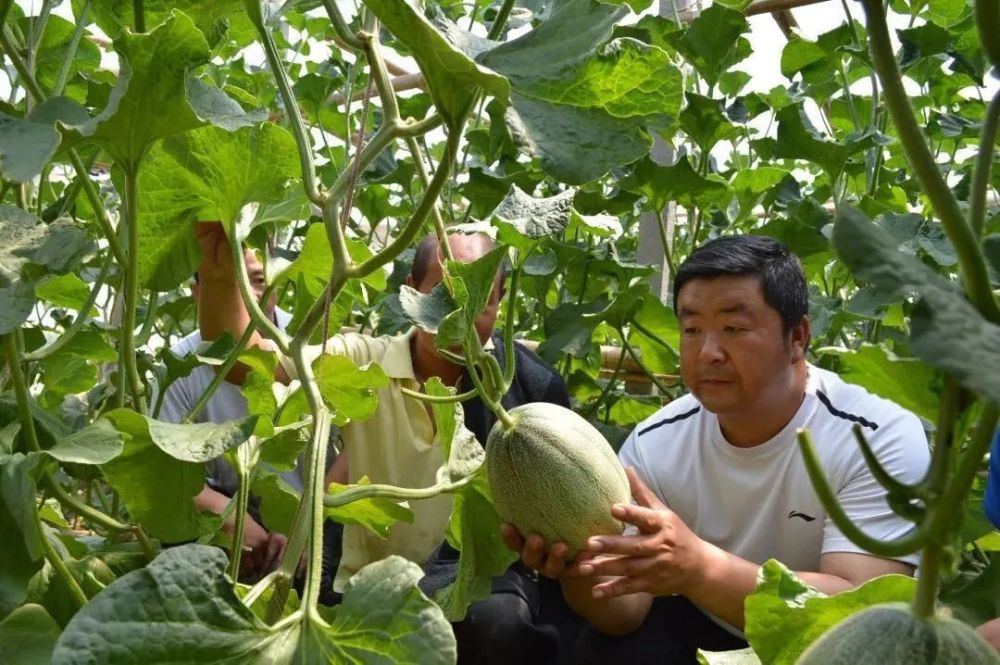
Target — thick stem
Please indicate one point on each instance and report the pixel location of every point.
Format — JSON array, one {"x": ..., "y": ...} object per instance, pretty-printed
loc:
[
  {"x": 52, "y": 556},
  {"x": 925, "y": 597},
  {"x": 427, "y": 202},
  {"x": 260, "y": 320},
  {"x": 74, "y": 44},
  {"x": 890, "y": 549},
  {"x": 220, "y": 375},
  {"x": 438, "y": 399},
  {"x": 970, "y": 257},
  {"x": 391, "y": 492},
  {"x": 340, "y": 25},
  {"x": 140, "y": 15},
  {"x": 884, "y": 478},
  {"x": 984, "y": 162},
  {"x": 302, "y": 140},
  {"x": 508, "y": 329},
  {"x": 242, "y": 505},
  {"x": 421, "y": 170},
  {"x": 500, "y": 21},
  {"x": 131, "y": 215}
]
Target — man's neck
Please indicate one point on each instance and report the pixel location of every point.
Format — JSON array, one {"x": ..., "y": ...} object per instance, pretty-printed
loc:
[{"x": 746, "y": 430}]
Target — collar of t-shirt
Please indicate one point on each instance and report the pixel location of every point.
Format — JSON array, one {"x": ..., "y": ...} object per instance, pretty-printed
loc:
[{"x": 778, "y": 442}]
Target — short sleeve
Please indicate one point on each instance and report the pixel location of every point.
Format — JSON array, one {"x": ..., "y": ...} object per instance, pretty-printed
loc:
[
  {"x": 177, "y": 403},
  {"x": 630, "y": 455},
  {"x": 901, "y": 446}
]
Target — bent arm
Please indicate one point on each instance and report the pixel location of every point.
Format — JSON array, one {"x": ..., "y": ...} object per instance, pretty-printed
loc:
[{"x": 728, "y": 579}]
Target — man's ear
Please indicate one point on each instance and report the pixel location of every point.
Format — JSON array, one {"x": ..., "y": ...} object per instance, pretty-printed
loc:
[{"x": 799, "y": 339}]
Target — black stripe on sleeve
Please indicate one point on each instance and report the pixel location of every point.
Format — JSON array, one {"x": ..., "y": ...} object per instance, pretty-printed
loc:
[
  {"x": 864, "y": 422},
  {"x": 673, "y": 419}
]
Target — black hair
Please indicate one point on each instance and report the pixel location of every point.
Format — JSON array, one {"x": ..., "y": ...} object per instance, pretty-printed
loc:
[{"x": 779, "y": 271}]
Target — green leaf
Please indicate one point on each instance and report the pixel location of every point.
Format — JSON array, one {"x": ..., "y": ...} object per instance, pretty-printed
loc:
[
  {"x": 188, "y": 442},
  {"x": 474, "y": 530},
  {"x": 942, "y": 316},
  {"x": 180, "y": 608},
  {"x": 28, "y": 636},
  {"x": 207, "y": 173},
  {"x": 98, "y": 443},
  {"x": 713, "y": 42},
  {"x": 784, "y": 615},
  {"x": 523, "y": 220},
  {"x": 704, "y": 122},
  {"x": 479, "y": 279},
  {"x": 149, "y": 101},
  {"x": 660, "y": 320},
  {"x": 21, "y": 555},
  {"x": 349, "y": 390},
  {"x": 315, "y": 260},
  {"x": 427, "y": 310},
  {"x": 625, "y": 77},
  {"x": 25, "y": 147},
  {"x": 64, "y": 291},
  {"x": 384, "y": 618},
  {"x": 798, "y": 139},
  {"x": 157, "y": 489},
  {"x": 570, "y": 144},
  {"x": 569, "y": 88},
  {"x": 453, "y": 77},
  {"x": 28, "y": 247},
  {"x": 114, "y": 17},
  {"x": 906, "y": 381},
  {"x": 485, "y": 191},
  {"x": 219, "y": 109},
  {"x": 278, "y": 500},
  {"x": 375, "y": 513},
  {"x": 750, "y": 185},
  {"x": 679, "y": 183}
]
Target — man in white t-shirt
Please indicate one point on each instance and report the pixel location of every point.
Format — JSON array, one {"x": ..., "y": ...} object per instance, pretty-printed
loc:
[
  {"x": 718, "y": 478},
  {"x": 263, "y": 549}
]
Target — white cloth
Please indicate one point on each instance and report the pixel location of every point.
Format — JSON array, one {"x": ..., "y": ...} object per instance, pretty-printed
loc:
[{"x": 758, "y": 503}]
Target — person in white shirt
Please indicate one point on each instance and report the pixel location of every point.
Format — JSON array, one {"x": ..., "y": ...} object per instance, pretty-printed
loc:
[
  {"x": 263, "y": 548},
  {"x": 718, "y": 479}
]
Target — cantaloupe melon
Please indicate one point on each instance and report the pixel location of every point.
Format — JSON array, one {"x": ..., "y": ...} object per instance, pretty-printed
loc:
[
  {"x": 889, "y": 634},
  {"x": 552, "y": 473}
]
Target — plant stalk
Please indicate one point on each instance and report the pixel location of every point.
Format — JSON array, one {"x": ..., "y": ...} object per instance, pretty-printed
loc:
[
  {"x": 131, "y": 214},
  {"x": 970, "y": 257},
  {"x": 302, "y": 139},
  {"x": 52, "y": 556},
  {"x": 984, "y": 163}
]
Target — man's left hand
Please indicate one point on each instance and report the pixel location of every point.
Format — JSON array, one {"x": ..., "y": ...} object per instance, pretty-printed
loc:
[{"x": 664, "y": 558}]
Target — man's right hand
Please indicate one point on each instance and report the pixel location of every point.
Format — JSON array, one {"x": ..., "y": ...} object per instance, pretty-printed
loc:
[
  {"x": 554, "y": 564},
  {"x": 261, "y": 550},
  {"x": 216, "y": 253}
]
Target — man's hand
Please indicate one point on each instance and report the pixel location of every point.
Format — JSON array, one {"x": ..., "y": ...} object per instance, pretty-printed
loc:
[
  {"x": 216, "y": 253},
  {"x": 664, "y": 558},
  {"x": 261, "y": 550},
  {"x": 990, "y": 631},
  {"x": 532, "y": 551}
]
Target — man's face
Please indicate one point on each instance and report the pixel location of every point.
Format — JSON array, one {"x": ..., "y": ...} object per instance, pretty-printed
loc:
[
  {"x": 467, "y": 249},
  {"x": 734, "y": 356}
]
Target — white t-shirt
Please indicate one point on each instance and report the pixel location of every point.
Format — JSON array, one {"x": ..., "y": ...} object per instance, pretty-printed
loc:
[
  {"x": 227, "y": 402},
  {"x": 758, "y": 503}
]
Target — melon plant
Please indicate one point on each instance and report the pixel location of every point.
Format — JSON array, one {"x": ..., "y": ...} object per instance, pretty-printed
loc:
[{"x": 552, "y": 473}]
